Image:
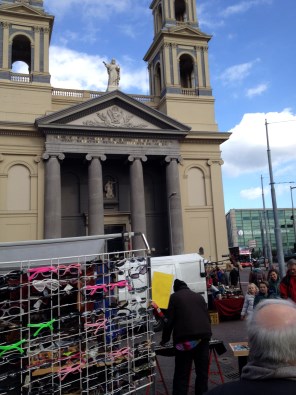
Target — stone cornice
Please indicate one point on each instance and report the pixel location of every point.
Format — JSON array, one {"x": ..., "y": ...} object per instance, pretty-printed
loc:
[
  {"x": 206, "y": 138},
  {"x": 105, "y": 132},
  {"x": 20, "y": 133}
]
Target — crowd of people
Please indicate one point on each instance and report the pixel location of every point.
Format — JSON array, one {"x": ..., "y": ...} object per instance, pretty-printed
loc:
[
  {"x": 270, "y": 305},
  {"x": 263, "y": 287}
]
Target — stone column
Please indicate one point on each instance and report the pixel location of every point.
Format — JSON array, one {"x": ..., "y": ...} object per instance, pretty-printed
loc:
[
  {"x": 95, "y": 195},
  {"x": 206, "y": 66},
  {"x": 46, "y": 50},
  {"x": 138, "y": 211},
  {"x": 6, "y": 45},
  {"x": 53, "y": 195},
  {"x": 35, "y": 65},
  {"x": 176, "y": 64},
  {"x": 201, "y": 79},
  {"x": 174, "y": 206}
]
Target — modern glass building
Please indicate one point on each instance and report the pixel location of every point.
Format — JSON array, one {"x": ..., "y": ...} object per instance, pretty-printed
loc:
[{"x": 244, "y": 226}]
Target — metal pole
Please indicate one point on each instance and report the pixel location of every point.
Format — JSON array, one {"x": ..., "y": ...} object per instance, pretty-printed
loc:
[
  {"x": 267, "y": 239},
  {"x": 293, "y": 213},
  {"x": 277, "y": 230}
]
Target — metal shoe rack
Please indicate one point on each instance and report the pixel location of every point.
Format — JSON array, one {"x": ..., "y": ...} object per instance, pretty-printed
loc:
[{"x": 80, "y": 327}]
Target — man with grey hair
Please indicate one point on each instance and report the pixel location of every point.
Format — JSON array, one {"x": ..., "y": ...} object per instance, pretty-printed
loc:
[{"x": 271, "y": 366}]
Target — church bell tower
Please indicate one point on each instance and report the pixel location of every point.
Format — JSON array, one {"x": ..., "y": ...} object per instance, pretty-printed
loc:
[
  {"x": 178, "y": 64},
  {"x": 25, "y": 31}
]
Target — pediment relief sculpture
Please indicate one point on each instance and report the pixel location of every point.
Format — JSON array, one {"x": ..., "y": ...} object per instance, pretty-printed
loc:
[{"x": 115, "y": 117}]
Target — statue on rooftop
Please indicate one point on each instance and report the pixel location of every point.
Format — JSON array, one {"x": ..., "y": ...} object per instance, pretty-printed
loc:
[{"x": 114, "y": 75}]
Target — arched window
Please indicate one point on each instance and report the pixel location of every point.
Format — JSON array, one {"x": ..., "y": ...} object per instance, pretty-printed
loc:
[
  {"x": 21, "y": 51},
  {"x": 158, "y": 81},
  {"x": 196, "y": 187},
  {"x": 187, "y": 71},
  {"x": 180, "y": 10},
  {"x": 18, "y": 188}
]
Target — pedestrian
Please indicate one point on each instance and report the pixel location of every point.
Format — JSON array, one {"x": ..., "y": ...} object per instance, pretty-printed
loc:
[
  {"x": 221, "y": 276},
  {"x": 249, "y": 301},
  {"x": 234, "y": 275},
  {"x": 256, "y": 275},
  {"x": 263, "y": 293},
  {"x": 266, "y": 263},
  {"x": 271, "y": 366},
  {"x": 288, "y": 283},
  {"x": 274, "y": 281},
  {"x": 189, "y": 321}
]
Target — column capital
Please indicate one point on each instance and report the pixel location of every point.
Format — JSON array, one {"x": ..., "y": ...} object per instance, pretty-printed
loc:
[
  {"x": 90, "y": 157},
  {"x": 47, "y": 155},
  {"x": 177, "y": 158},
  {"x": 211, "y": 162},
  {"x": 5, "y": 24},
  {"x": 37, "y": 159},
  {"x": 143, "y": 158}
]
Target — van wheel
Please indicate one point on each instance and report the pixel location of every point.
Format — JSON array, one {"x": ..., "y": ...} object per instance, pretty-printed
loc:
[{"x": 157, "y": 324}]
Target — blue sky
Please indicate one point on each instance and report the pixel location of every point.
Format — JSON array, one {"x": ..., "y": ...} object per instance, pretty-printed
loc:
[{"x": 252, "y": 68}]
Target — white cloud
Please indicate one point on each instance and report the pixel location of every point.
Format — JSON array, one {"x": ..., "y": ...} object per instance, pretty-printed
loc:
[
  {"x": 257, "y": 90},
  {"x": 246, "y": 150},
  {"x": 242, "y": 7},
  {"x": 207, "y": 19},
  {"x": 254, "y": 193},
  {"x": 74, "y": 70},
  {"x": 238, "y": 72},
  {"x": 210, "y": 17}
]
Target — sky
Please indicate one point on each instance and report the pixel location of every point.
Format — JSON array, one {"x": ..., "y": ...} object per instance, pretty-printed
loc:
[{"x": 252, "y": 69}]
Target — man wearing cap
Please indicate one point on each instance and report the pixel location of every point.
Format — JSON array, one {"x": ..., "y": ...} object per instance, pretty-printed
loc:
[{"x": 189, "y": 321}]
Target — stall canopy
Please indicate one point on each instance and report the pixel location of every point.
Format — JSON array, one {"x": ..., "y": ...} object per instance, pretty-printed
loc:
[{"x": 51, "y": 249}]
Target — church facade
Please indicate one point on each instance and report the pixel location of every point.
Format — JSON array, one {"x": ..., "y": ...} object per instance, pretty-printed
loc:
[{"x": 76, "y": 163}]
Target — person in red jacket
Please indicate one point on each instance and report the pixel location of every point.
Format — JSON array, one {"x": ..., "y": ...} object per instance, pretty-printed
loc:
[{"x": 288, "y": 283}]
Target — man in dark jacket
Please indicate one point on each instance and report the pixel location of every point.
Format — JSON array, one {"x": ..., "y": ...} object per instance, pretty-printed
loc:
[
  {"x": 189, "y": 321},
  {"x": 271, "y": 368}
]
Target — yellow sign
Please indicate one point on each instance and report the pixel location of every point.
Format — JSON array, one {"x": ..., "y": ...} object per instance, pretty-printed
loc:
[{"x": 161, "y": 288}]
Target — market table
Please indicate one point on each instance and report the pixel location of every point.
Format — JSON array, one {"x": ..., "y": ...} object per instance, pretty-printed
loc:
[{"x": 229, "y": 307}]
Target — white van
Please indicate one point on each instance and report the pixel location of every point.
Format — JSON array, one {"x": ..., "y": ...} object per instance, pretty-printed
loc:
[{"x": 186, "y": 267}]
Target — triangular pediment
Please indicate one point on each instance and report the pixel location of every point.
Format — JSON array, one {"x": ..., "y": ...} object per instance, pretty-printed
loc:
[
  {"x": 23, "y": 9},
  {"x": 186, "y": 30},
  {"x": 113, "y": 112}
]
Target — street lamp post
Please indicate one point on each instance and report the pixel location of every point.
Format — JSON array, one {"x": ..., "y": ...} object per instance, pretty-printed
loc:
[
  {"x": 267, "y": 240},
  {"x": 277, "y": 230},
  {"x": 170, "y": 221},
  {"x": 293, "y": 213}
]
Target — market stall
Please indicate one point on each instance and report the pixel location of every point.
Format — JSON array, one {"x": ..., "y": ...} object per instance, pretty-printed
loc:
[
  {"x": 64, "y": 329},
  {"x": 229, "y": 307}
]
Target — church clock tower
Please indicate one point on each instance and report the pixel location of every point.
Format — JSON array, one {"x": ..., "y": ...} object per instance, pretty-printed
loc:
[{"x": 178, "y": 64}]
